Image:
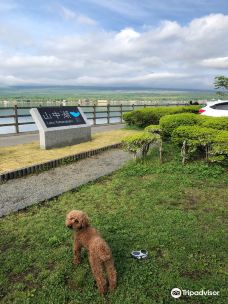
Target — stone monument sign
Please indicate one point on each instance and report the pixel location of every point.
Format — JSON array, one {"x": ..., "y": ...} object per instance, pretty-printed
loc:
[{"x": 61, "y": 126}]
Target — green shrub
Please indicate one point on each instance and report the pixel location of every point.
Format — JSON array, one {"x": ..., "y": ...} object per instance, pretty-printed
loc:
[
  {"x": 128, "y": 117},
  {"x": 151, "y": 116},
  {"x": 220, "y": 123},
  {"x": 218, "y": 151},
  {"x": 139, "y": 143},
  {"x": 170, "y": 122},
  {"x": 191, "y": 109},
  {"x": 193, "y": 134},
  {"x": 153, "y": 129},
  {"x": 197, "y": 139}
]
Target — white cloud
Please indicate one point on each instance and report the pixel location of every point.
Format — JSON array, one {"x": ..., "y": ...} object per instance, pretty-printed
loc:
[
  {"x": 208, "y": 27},
  {"x": 124, "y": 8},
  {"x": 72, "y": 15},
  {"x": 169, "y": 55},
  {"x": 216, "y": 63},
  {"x": 14, "y": 37},
  {"x": 30, "y": 61},
  {"x": 67, "y": 13},
  {"x": 86, "y": 20},
  {"x": 168, "y": 30},
  {"x": 127, "y": 35}
]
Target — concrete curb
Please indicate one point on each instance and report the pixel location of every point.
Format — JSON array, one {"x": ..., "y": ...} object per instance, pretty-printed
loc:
[{"x": 53, "y": 163}]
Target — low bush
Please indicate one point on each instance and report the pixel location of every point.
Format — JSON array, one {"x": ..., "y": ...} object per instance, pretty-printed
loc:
[
  {"x": 151, "y": 116},
  {"x": 139, "y": 143},
  {"x": 153, "y": 129},
  {"x": 218, "y": 151},
  {"x": 193, "y": 133},
  {"x": 220, "y": 123},
  {"x": 196, "y": 139},
  {"x": 170, "y": 122}
]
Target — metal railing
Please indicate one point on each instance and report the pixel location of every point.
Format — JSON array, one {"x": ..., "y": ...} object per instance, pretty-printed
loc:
[{"x": 121, "y": 109}]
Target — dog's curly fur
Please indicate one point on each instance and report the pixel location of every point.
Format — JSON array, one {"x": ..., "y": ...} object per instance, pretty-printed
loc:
[{"x": 100, "y": 255}]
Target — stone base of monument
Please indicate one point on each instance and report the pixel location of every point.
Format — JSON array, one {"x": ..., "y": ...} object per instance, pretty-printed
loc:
[
  {"x": 65, "y": 137},
  {"x": 56, "y": 137}
]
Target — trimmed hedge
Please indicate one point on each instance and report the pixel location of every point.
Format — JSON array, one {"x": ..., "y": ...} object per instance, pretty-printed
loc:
[
  {"x": 193, "y": 134},
  {"x": 151, "y": 116},
  {"x": 220, "y": 123},
  {"x": 139, "y": 143},
  {"x": 213, "y": 142},
  {"x": 153, "y": 129},
  {"x": 219, "y": 150},
  {"x": 170, "y": 122}
]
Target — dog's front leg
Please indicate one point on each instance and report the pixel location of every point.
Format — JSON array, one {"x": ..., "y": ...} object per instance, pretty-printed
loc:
[{"x": 77, "y": 251}]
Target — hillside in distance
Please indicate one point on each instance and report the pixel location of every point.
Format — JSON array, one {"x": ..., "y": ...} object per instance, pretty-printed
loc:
[{"x": 72, "y": 93}]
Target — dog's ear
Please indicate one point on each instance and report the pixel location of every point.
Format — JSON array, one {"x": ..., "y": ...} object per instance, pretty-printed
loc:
[{"x": 84, "y": 220}]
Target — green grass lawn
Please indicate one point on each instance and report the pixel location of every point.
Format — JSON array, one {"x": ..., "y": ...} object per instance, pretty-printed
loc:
[{"x": 177, "y": 213}]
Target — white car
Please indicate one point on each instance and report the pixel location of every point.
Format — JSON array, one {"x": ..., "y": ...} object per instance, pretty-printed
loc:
[{"x": 217, "y": 108}]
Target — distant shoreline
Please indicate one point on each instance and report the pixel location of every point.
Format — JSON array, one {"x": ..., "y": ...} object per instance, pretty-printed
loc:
[
  {"x": 102, "y": 88},
  {"x": 42, "y": 94}
]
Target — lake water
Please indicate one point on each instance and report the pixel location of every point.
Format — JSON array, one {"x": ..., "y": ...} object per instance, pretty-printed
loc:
[
  {"x": 32, "y": 127},
  {"x": 101, "y": 118}
]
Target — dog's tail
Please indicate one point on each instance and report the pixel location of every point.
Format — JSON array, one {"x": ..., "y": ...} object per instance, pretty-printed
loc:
[{"x": 111, "y": 272}]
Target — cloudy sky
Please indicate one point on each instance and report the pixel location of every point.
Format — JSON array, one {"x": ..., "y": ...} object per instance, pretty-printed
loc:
[{"x": 151, "y": 43}]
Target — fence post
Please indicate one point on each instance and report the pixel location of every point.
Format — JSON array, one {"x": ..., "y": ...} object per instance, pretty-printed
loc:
[
  {"x": 108, "y": 113},
  {"x": 16, "y": 119},
  {"x": 94, "y": 114},
  {"x": 121, "y": 113}
]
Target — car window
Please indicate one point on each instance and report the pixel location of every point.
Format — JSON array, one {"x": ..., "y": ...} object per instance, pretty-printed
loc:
[{"x": 220, "y": 106}]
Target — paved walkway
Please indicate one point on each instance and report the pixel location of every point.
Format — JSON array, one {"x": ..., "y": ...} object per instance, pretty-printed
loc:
[
  {"x": 23, "y": 138},
  {"x": 19, "y": 193}
]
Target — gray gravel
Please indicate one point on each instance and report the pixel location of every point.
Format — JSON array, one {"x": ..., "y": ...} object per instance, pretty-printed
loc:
[{"x": 19, "y": 193}]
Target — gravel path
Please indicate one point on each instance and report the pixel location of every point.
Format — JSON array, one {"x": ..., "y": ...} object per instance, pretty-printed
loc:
[{"x": 19, "y": 193}]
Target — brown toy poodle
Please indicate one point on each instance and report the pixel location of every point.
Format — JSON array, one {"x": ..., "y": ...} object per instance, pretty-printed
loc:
[{"x": 100, "y": 255}]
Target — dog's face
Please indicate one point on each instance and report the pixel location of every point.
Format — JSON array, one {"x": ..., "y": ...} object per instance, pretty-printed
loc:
[{"x": 77, "y": 220}]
